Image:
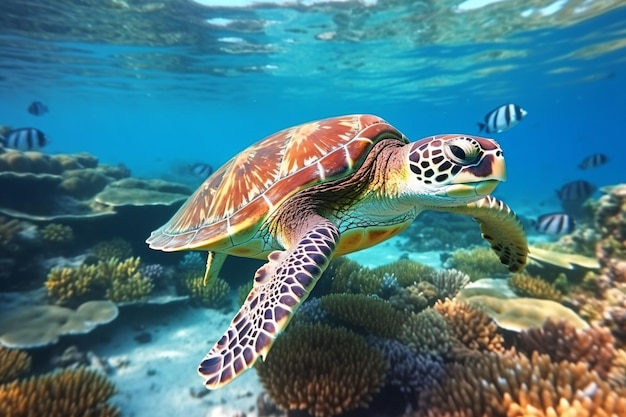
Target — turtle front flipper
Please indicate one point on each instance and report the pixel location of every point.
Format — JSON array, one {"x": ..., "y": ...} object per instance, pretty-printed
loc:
[
  {"x": 280, "y": 286},
  {"x": 501, "y": 228}
]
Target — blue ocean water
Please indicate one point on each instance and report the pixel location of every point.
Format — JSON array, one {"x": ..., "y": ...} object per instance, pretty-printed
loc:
[{"x": 159, "y": 85}]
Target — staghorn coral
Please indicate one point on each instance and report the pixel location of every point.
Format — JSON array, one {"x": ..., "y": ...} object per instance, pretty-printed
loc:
[
  {"x": 471, "y": 326},
  {"x": 113, "y": 248},
  {"x": 323, "y": 370},
  {"x": 448, "y": 282},
  {"x": 57, "y": 233},
  {"x": 562, "y": 341},
  {"x": 211, "y": 295},
  {"x": 370, "y": 314},
  {"x": 525, "y": 285},
  {"x": 13, "y": 364},
  {"x": 408, "y": 372},
  {"x": 509, "y": 386},
  {"x": 479, "y": 262},
  {"x": 119, "y": 281},
  {"x": 77, "y": 392},
  {"x": 426, "y": 333}
]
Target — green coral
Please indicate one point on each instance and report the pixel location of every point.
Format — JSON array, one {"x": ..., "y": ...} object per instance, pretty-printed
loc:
[
  {"x": 119, "y": 281},
  {"x": 211, "y": 295},
  {"x": 243, "y": 291},
  {"x": 479, "y": 262},
  {"x": 57, "y": 233},
  {"x": 323, "y": 370},
  {"x": 370, "y": 314},
  {"x": 406, "y": 271},
  {"x": 427, "y": 333},
  {"x": 349, "y": 276},
  {"x": 114, "y": 248},
  {"x": 526, "y": 285}
]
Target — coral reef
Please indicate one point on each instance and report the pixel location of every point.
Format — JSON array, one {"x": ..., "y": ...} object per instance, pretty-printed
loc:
[
  {"x": 192, "y": 260},
  {"x": 448, "y": 282},
  {"x": 479, "y": 262},
  {"x": 13, "y": 364},
  {"x": 113, "y": 248},
  {"x": 494, "y": 385},
  {"x": 211, "y": 295},
  {"x": 363, "y": 312},
  {"x": 470, "y": 326},
  {"x": 323, "y": 370},
  {"x": 57, "y": 233},
  {"x": 525, "y": 285},
  {"x": 427, "y": 333},
  {"x": 562, "y": 341},
  {"x": 408, "y": 372},
  {"x": 406, "y": 271},
  {"x": 8, "y": 231},
  {"x": 42, "y": 325},
  {"x": 77, "y": 392},
  {"x": 348, "y": 276},
  {"x": 243, "y": 291},
  {"x": 119, "y": 281}
]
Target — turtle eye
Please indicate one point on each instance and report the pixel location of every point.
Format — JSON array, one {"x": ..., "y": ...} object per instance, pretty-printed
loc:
[{"x": 462, "y": 150}]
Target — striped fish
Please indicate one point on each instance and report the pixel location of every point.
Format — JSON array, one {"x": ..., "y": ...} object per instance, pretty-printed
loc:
[
  {"x": 503, "y": 118},
  {"x": 24, "y": 139},
  {"x": 579, "y": 190},
  {"x": 555, "y": 224},
  {"x": 593, "y": 161}
]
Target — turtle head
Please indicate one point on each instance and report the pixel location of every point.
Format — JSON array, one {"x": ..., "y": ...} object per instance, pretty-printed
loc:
[{"x": 454, "y": 169}]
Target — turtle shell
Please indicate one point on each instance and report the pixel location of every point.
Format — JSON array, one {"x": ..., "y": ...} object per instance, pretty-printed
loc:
[{"x": 228, "y": 209}]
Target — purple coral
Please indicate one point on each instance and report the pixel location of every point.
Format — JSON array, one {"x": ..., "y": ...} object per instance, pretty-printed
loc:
[
  {"x": 409, "y": 372},
  {"x": 155, "y": 273}
]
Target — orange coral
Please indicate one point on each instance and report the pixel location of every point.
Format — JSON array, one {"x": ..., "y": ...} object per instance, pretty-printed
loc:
[
  {"x": 13, "y": 363},
  {"x": 472, "y": 327},
  {"x": 562, "y": 341},
  {"x": 77, "y": 392}
]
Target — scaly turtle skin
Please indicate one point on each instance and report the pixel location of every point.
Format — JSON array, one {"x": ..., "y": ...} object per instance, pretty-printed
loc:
[{"x": 312, "y": 192}]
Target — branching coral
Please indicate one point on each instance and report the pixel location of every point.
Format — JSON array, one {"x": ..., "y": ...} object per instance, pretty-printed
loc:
[
  {"x": 115, "y": 248},
  {"x": 77, "y": 392},
  {"x": 325, "y": 371},
  {"x": 479, "y": 262},
  {"x": 406, "y": 271},
  {"x": 494, "y": 385},
  {"x": 427, "y": 333},
  {"x": 211, "y": 295},
  {"x": 119, "y": 281},
  {"x": 408, "y": 372},
  {"x": 350, "y": 277},
  {"x": 57, "y": 233},
  {"x": 525, "y": 285},
  {"x": 13, "y": 363},
  {"x": 470, "y": 326},
  {"x": 448, "y": 282},
  {"x": 370, "y": 314},
  {"x": 562, "y": 341}
]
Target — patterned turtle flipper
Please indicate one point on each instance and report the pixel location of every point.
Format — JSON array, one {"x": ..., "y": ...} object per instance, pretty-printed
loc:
[
  {"x": 501, "y": 228},
  {"x": 280, "y": 286}
]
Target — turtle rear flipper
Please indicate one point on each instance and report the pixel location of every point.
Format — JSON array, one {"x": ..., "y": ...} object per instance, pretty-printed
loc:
[
  {"x": 501, "y": 228},
  {"x": 280, "y": 286}
]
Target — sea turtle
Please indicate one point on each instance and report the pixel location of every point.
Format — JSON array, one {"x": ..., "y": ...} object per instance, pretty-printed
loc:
[{"x": 307, "y": 194}]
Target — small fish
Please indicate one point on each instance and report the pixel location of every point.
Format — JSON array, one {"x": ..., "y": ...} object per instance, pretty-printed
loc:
[
  {"x": 555, "y": 224},
  {"x": 201, "y": 169},
  {"x": 503, "y": 118},
  {"x": 37, "y": 108},
  {"x": 579, "y": 190},
  {"x": 25, "y": 139},
  {"x": 593, "y": 161}
]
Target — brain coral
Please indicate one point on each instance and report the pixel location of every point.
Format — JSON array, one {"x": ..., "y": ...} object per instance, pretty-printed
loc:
[
  {"x": 494, "y": 385},
  {"x": 323, "y": 370},
  {"x": 76, "y": 392}
]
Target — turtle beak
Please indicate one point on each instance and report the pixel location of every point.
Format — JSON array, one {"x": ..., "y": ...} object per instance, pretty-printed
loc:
[{"x": 478, "y": 180}]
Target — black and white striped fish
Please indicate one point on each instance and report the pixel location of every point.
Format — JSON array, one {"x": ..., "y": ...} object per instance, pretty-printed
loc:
[
  {"x": 579, "y": 190},
  {"x": 503, "y": 118},
  {"x": 37, "y": 108},
  {"x": 593, "y": 161},
  {"x": 555, "y": 224},
  {"x": 201, "y": 169},
  {"x": 24, "y": 139}
]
